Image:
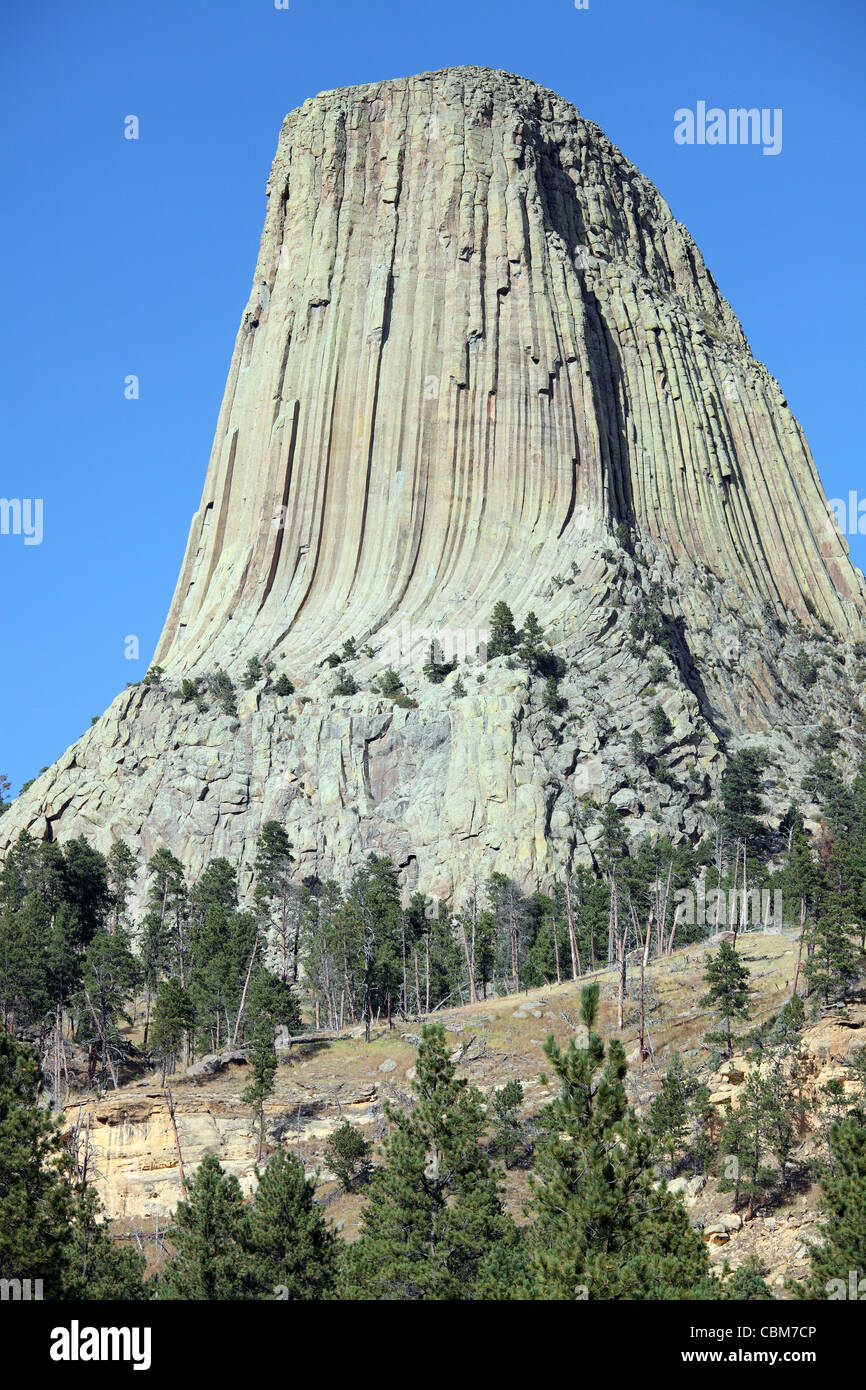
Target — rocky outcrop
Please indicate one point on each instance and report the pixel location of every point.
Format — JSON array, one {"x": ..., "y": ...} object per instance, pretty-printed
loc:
[
  {"x": 481, "y": 360},
  {"x": 476, "y": 333}
]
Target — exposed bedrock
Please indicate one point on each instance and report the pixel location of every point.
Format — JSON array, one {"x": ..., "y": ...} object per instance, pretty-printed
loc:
[{"x": 480, "y": 361}]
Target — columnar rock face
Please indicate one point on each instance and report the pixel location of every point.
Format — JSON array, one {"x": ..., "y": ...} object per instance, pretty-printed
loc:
[
  {"x": 480, "y": 361},
  {"x": 474, "y": 329}
]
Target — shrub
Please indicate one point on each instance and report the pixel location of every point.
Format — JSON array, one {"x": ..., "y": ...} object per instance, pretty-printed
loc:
[
  {"x": 346, "y": 1151},
  {"x": 663, "y": 774},
  {"x": 346, "y": 685},
  {"x": 254, "y": 672},
  {"x": 434, "y": 669},
  {"x": 660, "y": 724},
  {"x": 283, "y": 686},
  {"x": 223, "y": 691},
  {"x": 806, "y": 668},
  {"x": 390, "y": 683},
  {"x": 551, "y": 699}
]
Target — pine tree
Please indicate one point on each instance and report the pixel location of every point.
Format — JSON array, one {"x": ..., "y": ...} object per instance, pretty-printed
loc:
[
  {"x": 164, "y": 931},
  {"x": 533, "y": 648},
  {"x": 660, "y": 724},
  {"x": 668, "y": 1119},
  {"x": 508, "y": 1141},
  {"x": 122, "y": 871},
  {"x": 173, "y": 1019},
  {"x": 551, "y": 699},
  {"x": 747, "y": 1286},
  {"x": 210, "y": 1240},
  {"x": 98, "y": 1266},
  {"x": 263, "y": 1064},
  {"x": 742, "y": 802},
  {"x": 503, "y": 639},
  {"x": 843, "y": 1250},
  {"x": 275, "y": 895},
  {"x": 434, "y": 668},
  {"x": 109, "y": 979},
  {"x": 833, "y": 964},
  {"x": 759, "y": 1125},
  {"x": 292, "y": 1251},
  {"x": 34, "y": 1170},
  {"x": 603, "y": 1230},
  {"x": 728, "y": 995},
  {"x": 433, "y": 1225},
  {"x": 347, "y": 1151}
]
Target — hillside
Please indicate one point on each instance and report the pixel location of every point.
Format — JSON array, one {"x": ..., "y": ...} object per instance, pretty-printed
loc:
[{"x": 133, "y": 1154}]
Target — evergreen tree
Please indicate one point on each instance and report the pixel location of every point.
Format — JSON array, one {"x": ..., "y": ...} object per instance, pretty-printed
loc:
[
  {"x": 34, "y": 1169},
  {"x": 551, "y": 699},
  {"x": 434, "y": 668},
  {"x": 122, "y": 872},
  {"x": 390, "y": 683},
  {"x": 164, "y": 930},
  {"x": 512, "y": 924},
  {"x": 209, "y": 1240},
  {"x": 98, "y": 1266},
  {"x": 533, "y": 648},
  {"x": 24, "y": 979},
  {"x": 728, "y": 995},
  {"x": 613, "y": 842},
  {"x": 660, "y": 724},
  {"x": 433, "y": 1225},
  {"x": 275, "y": 895},
  {"x": 263, "y": 1064},
  {"x": 110, "y": 976},
  {"x": 346, "y": 1150},
  {"x": 173, "y": 1019},
  {"x": 226, "y": 943},
  {"x": 759, "y": 1125},
  {"x": 747, "y": 1286},
  {"x": 833, "y": 965},
  {"x": 742, "y": 801},
  {"x": 508, "y": 1136},
  {"x": 292, "y": 1251},
  {"x": 254, "y": 673},
  {"x": 603, "y": 1230},
  {"x": 668, "y": 1119},
  {"x": 85, "y": 887},
  {"x": 371, "y": 925},
  {"x": 843, "y": 1249},
  {"x": 503, "y": 639}
]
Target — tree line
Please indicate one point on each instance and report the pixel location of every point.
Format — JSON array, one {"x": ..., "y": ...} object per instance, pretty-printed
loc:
[{"x": 601, "y": 1226}]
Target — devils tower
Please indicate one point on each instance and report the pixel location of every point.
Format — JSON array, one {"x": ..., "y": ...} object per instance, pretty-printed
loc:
[{"x": 481, "y": 362}]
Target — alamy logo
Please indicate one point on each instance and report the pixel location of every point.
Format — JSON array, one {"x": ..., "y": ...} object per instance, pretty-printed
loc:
[
  {"x": 736, "y": 126},
  {"x": 854, "y": 1289},
  {"x": 411, "y": 645},
  {"x": 20, "y": 1290},
  {"x": 22, "y": 516},
  {"x": 850, "y": 516},
  {"x": 731, "y": 906},
  {"x": 77, "y": 1343}
]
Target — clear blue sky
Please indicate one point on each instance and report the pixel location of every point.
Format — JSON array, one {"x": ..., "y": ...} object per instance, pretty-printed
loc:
[{"x": 137, "y": 257}]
